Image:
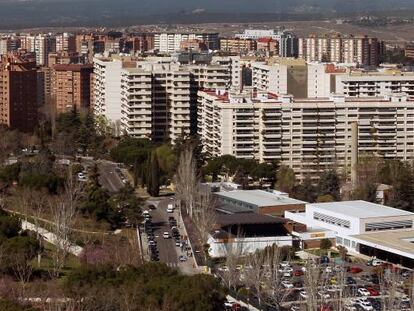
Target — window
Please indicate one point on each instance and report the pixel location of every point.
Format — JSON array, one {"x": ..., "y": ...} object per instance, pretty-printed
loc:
[
  {"x": 331, "y": 220},
  {"x": 392, "y": 225}
]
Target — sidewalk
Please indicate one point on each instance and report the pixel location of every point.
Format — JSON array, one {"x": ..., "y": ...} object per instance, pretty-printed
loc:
[{"x": 50, "y": 237}]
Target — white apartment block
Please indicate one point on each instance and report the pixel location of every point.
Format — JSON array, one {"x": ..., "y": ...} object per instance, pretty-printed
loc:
[
  {"x": 107, "y": 91},
  {"x": 308, "y": 135},
  {"x": 255, "y": 34},
  {"x": 374, "y": 84},
  {"x": 323, "y": 82},
  {"x": 271, "y": 78},
  {"x": 171, "y": 42}
]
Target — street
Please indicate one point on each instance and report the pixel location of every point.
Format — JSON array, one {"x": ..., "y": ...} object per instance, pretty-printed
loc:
[{"x": 109, "y": 177}]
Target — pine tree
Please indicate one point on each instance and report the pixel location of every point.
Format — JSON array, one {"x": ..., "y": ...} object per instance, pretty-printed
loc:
[{"x": 153, "y": 180}]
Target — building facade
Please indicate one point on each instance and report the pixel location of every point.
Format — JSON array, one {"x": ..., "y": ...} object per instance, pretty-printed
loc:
[
  {"x": 18, "y": 92},
  {"x": 308, "y": 135},
  {"x": 71, "y": 87},
  {"x": 171, "y": 42}
]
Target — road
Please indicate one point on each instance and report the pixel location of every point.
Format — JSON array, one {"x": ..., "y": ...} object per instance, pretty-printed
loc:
[{"x": 109, "y": 178}]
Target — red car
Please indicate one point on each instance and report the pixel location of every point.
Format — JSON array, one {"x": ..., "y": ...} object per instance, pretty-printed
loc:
[
  {"x": 325, "y": 308},
  {"x": 372, "y": 291},
  {"x": 355, "y": 270},
  {"x": 298, "y": 273}
]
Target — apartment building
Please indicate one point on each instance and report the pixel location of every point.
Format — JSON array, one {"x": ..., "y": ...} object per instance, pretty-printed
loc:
[
  {"x": 107, "y": 91},
  {"x": 18, "y": 92},
  {"x": 171, "y": 42},
  {"x": 324, "y": 80},
  {"x": 409, "y": 50},
  {"x": 308, "y": 135},
  {"x": 156, "y": 102},
  {"x": 358, "y": 50},
  {"x": 65, "y": 42},
  {"x": 71, "y": 87},
  {"x": 281, "y": 76},
  {"x": 241, "y": 46}
]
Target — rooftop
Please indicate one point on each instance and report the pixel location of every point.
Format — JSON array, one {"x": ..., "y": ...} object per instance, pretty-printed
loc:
[
  {"x": 259, "y": 198},
  {"x": 361, "y": 209},
  {"x": 399, "y": 242}
]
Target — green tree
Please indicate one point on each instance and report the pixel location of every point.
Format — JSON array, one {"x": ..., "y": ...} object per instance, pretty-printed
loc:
[
  {"x": 329, "y": 184},
  {"x": 285, "y": 179},
  {"x": 306, "y": 191},
  {"x": 7, "y": 305},
  {"x": 326, "y": 244},
  {"x": 153, "y": 181}
]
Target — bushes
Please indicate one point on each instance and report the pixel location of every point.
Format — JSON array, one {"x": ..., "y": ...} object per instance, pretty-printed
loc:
[{"x": 148, "y": 287}]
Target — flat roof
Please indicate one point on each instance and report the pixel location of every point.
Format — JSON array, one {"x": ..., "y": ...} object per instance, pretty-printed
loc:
[
  {"x": 258, "y": 198},
  {"x": 399, "y": 242},
  {"x": 361, "y": 209}
]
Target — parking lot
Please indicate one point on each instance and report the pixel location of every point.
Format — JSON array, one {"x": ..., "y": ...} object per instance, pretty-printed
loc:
[{"x": 348, "y": 286}]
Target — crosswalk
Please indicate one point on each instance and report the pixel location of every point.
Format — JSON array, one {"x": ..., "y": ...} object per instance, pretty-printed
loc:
[{"x": 172, "y": 264}]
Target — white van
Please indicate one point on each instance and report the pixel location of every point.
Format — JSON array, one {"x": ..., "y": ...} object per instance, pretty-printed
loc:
[{"x": 170, "y": 208}]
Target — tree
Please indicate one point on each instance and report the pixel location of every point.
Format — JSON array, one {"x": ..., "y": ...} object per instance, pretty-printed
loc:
[
  {"x": 204, "y": 214},
  {"x": 186, "y": 180},
  {"x": 7, "y": 305},
  {"x": 63, "y": 209},
  {"x": 285, "y": 179},
  {"x": 17, "y": 255},
  {"x": 306, "y": 191},
  {"x": 153, "y": 180},
  {"x": 326, "y": 244},
  {"x": 329, "y": 184}
]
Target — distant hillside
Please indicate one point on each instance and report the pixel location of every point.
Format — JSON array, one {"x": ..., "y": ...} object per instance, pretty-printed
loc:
[{"x": 32, "y": 13}]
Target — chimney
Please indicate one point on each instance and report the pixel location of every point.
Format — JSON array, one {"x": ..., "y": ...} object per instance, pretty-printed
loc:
[{"x": 354, "y": 153}]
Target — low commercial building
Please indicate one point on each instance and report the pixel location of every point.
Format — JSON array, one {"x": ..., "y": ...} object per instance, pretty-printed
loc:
[
  {"x": 361, "y": 227},
  {"x": 257, "y": 201},
  {"x": 243, "y": 234}
]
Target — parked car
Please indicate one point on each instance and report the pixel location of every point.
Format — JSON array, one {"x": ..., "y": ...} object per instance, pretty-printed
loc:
[
  {"x": 298, "y": 273},
  {"x": 372, "y": 291},
  {"x": 363, "y": 291},
  {"x": 355, "y": 270},
  {"x": 287, "y": 284},
  {"x": 166, "y": 235},
  {"x": 182, "y": 258},
  {"x": 365, "y": 305},
  {"x": 324, "y": 295},
  {"x": 303, "y": 294}
]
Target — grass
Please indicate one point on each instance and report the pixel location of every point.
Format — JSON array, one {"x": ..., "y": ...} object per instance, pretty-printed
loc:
[{"x": 46, "y": 262}]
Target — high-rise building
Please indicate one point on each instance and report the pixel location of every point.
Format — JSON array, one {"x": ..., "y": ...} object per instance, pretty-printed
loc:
[
  {"x": 282, "y": 76},
  {"x": 65, "y": 42},
  {"x": 171, "y": 42},
  {"x": 71, "y": 87},
  {"x": 43, "y": 45},
  {"x": 18, "y": 92},
  {"x": 308, "y": 135}
]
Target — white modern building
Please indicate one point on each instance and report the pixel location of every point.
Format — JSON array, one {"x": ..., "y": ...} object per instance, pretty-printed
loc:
[
  {"x": 363, "y": 227},
  {"x": 307, "y": 135},
  {"x": 171, "y": 42},
  {"x": 258, "y": 232},
  {"x": 107, "y": 91},
  {"x": 255, "y": 34}
]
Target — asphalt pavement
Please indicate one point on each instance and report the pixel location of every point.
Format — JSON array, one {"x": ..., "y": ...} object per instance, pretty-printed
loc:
[{"x": 109, "y": 178}]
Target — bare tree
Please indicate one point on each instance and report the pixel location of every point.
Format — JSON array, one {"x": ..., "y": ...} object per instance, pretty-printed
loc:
[
  {"x": 186, "y": 180},
  {"x": 204, "y": 213},
  {"x": 277, "y": 294},
  {"x": 63, "y": 209},
  {"x": 312, "y": 280},
  {"x": 390, "y": 281},
  {"x": 255, "y": 274},
  {"x": 232, "y": 275}
]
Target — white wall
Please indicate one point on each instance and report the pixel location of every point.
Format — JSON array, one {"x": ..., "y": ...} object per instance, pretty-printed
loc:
[{"x": 245, "y": 246}]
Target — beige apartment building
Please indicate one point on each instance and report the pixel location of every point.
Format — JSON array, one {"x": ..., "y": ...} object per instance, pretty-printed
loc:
[
  {"x": 308, "y": 135},
  {"x": 281, "y": 76}
]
